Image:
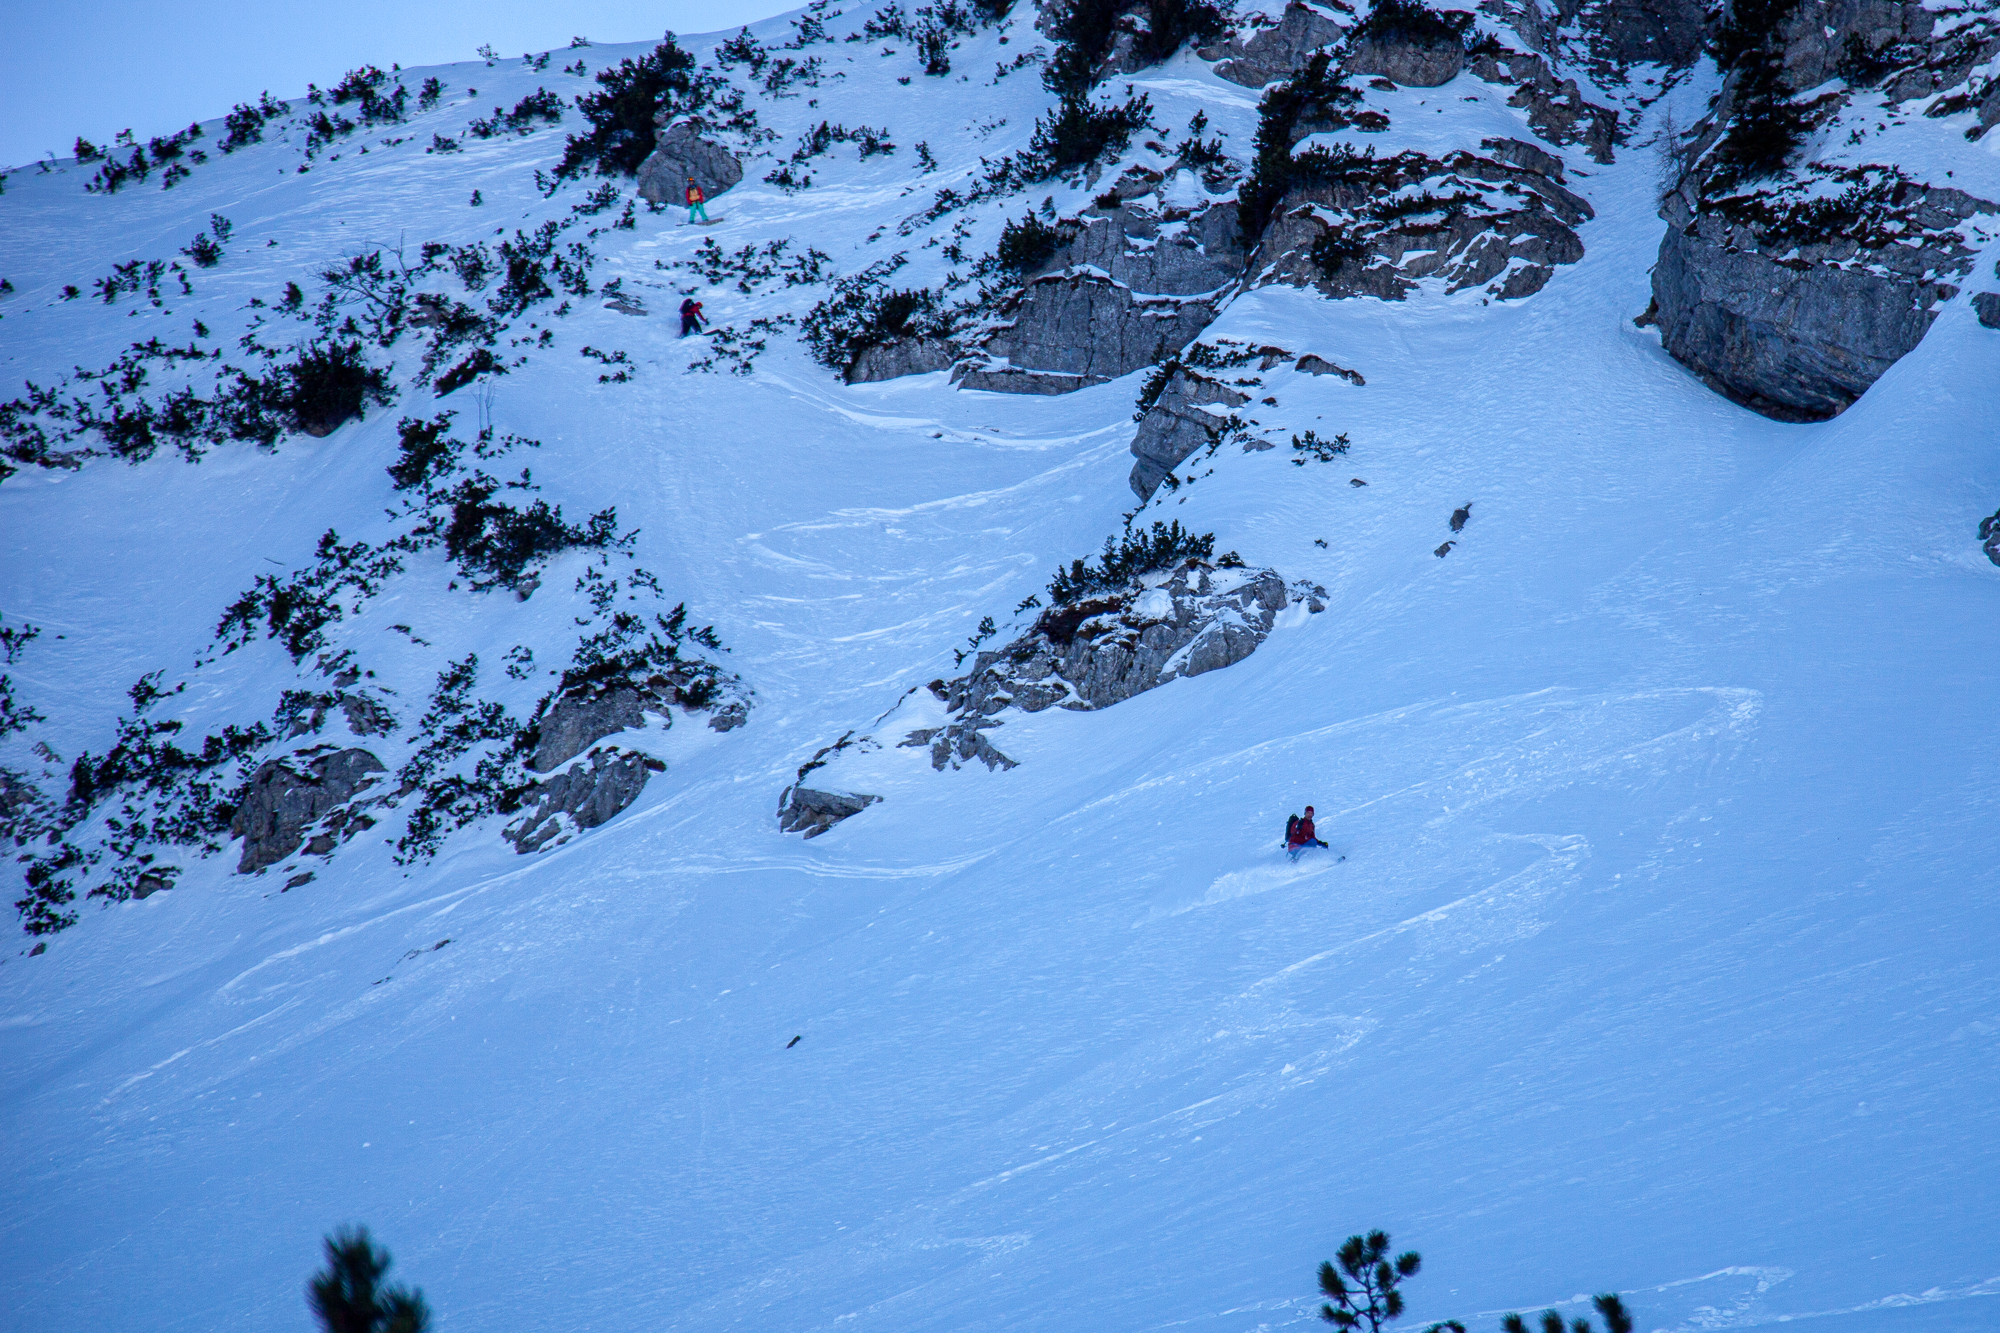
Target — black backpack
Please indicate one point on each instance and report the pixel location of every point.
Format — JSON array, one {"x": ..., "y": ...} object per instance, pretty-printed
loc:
[{"x": 1291, "y": 827}]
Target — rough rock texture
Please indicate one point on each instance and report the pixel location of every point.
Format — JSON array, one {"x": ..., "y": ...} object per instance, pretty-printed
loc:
[
  {"x": 1408, "y": 61},
  {"x": 282, "y": 803},
  {"x": 1189, "y": 257},
  {"x": 681, "y": 152},
  {"x": 1987, "y": 306},
  {"x": 1106, "y": 648},
  {"x": 582, "y": 796},
  {"x": 1798, "y": 341},
  {"x": 1278, "y": 52},
  {"x": 1118, "y": 295},
  {"x": 1468, "y": 220},
  {"x": 1793, "y": 312},
  {"x": 1177, "y": 424},
  {"x": 1070, "y": 332},
  {"x": 1557, "y": 110},
  {"x": 1989, "y": 537},
  {"x": 904, "y": 356},
  {"x": 805, "y": 810},
  {"x": 1632, "y": 32},
  {"x": 578, "y": 718}
]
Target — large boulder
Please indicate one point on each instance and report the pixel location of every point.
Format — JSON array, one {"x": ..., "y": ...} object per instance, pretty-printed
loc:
[
  {"x": 282, "y": 803},
  {"x": 1099, "y": 648},
  {"x": 1794, "y": 328},
  {"x": 679, "y": 152},
  {"x": 1276, "y": 52},
  {"x": 1105, "y": 648}
]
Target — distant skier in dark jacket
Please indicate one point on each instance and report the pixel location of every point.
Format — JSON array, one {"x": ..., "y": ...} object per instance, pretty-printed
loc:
[
  {"x": 691, "y": 317},
  {"x": 1299, "y": 833}
]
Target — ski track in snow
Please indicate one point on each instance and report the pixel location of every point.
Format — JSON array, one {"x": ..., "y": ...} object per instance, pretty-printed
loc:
[{"x": 1662, "y": 959}]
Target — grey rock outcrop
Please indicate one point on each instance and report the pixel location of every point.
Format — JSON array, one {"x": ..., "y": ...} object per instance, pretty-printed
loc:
[
  {"x": 1503, "y": 222},
  {"x": 679, "y": 152},
  {"x": 1104, "y": 649},
  {"x": 1069, "y": 332},
  {"x": 575, "y": 719},
  {"x": 1177, "y": 424},
  {"x": 1130, "y": 284},
  {"x": 1986, "y": 305},
  {"x": 1276, "y": 52},
  {"x": 283, "y": 803},
  {"x": 1557, "y": 110},
  {"x": 812, "y": 812},
  {"x": 1409, "y": 61},
  {"x": 903, "y": 356},
  {"x": 1798, "y": 331},
  {"x": 583, "y": 796},
  {"x": 1195, "y": 408}
]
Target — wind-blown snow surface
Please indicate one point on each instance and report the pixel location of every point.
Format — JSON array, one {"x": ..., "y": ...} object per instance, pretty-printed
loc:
[{"x": 1662, "y": 958}]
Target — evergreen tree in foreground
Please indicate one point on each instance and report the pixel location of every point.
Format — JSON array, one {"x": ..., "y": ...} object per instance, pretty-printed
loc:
[
  {"x": 1616, "y": 1318},
  {"x": 347, "y": 1296},
  {"x": 1365, "y": 1291}
]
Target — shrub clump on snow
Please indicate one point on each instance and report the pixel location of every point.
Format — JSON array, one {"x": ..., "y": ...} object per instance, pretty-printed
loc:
[
  {"x": 1318, "y": 94},
  {"x": 1085, "y": 31},
  {"x": 1127, "y": 557},
  {"x": 864, "y": 311},
  {"x": 630, "y": 95}
]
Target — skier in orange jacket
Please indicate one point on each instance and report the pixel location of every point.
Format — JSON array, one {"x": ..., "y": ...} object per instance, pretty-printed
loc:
[{"x": 696, "y": 202}]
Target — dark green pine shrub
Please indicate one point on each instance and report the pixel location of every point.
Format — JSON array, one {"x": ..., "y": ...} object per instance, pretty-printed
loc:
[
  {"x": 864, "y": 311},
  {"x": 1027, "y": 245},
  {"x": 1318, "y": 93},
  {"x": 328, "y": 384},
  {"x": 1078, "y": 132},
  {"x": 1127, "y": 557},
  {"x": 1765, "y": 128},
  {"x": 1084, "y": 31},
  {"x": 348, "y": 1295},
  {"x": 1413, "y": 22},
  {"x": 621, "y": 113},
  {"x": 1365, "y": 1291},
  {"x": 1616, "y": 1318}
]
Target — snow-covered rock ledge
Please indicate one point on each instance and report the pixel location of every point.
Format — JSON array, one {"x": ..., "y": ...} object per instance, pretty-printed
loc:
[{"x": 1082, "y": 654}]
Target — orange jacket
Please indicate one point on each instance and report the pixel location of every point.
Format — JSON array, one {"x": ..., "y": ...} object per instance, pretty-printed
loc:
[{"x": 695, "y": 195}]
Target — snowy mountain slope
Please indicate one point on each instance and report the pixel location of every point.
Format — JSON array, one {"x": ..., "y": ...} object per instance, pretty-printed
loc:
[{"x": 1659, "y": 962}]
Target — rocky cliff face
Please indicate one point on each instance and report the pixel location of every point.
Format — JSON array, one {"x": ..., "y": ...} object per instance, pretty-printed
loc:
[
  {"x": 1266, "y": 54},
  {"x": 1791, "y": 283},
  {"x": 1795, "y": 326},
  {"x": 1136, "y": 283},
  {"x": 1500, "y": 219}
]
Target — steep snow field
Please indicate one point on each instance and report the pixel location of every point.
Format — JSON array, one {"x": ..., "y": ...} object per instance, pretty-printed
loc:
[{"x": 1662, "y": 958}]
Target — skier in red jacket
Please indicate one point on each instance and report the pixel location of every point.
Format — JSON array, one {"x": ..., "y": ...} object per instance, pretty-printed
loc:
[
  {"x": 697, "y": 202},
  {"x": 1299, "y": 834}
]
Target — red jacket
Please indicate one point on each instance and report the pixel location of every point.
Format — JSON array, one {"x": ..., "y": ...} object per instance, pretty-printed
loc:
[
  {"x": 695, "y": 195},
  {"x": 1302, "y": 833}
]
